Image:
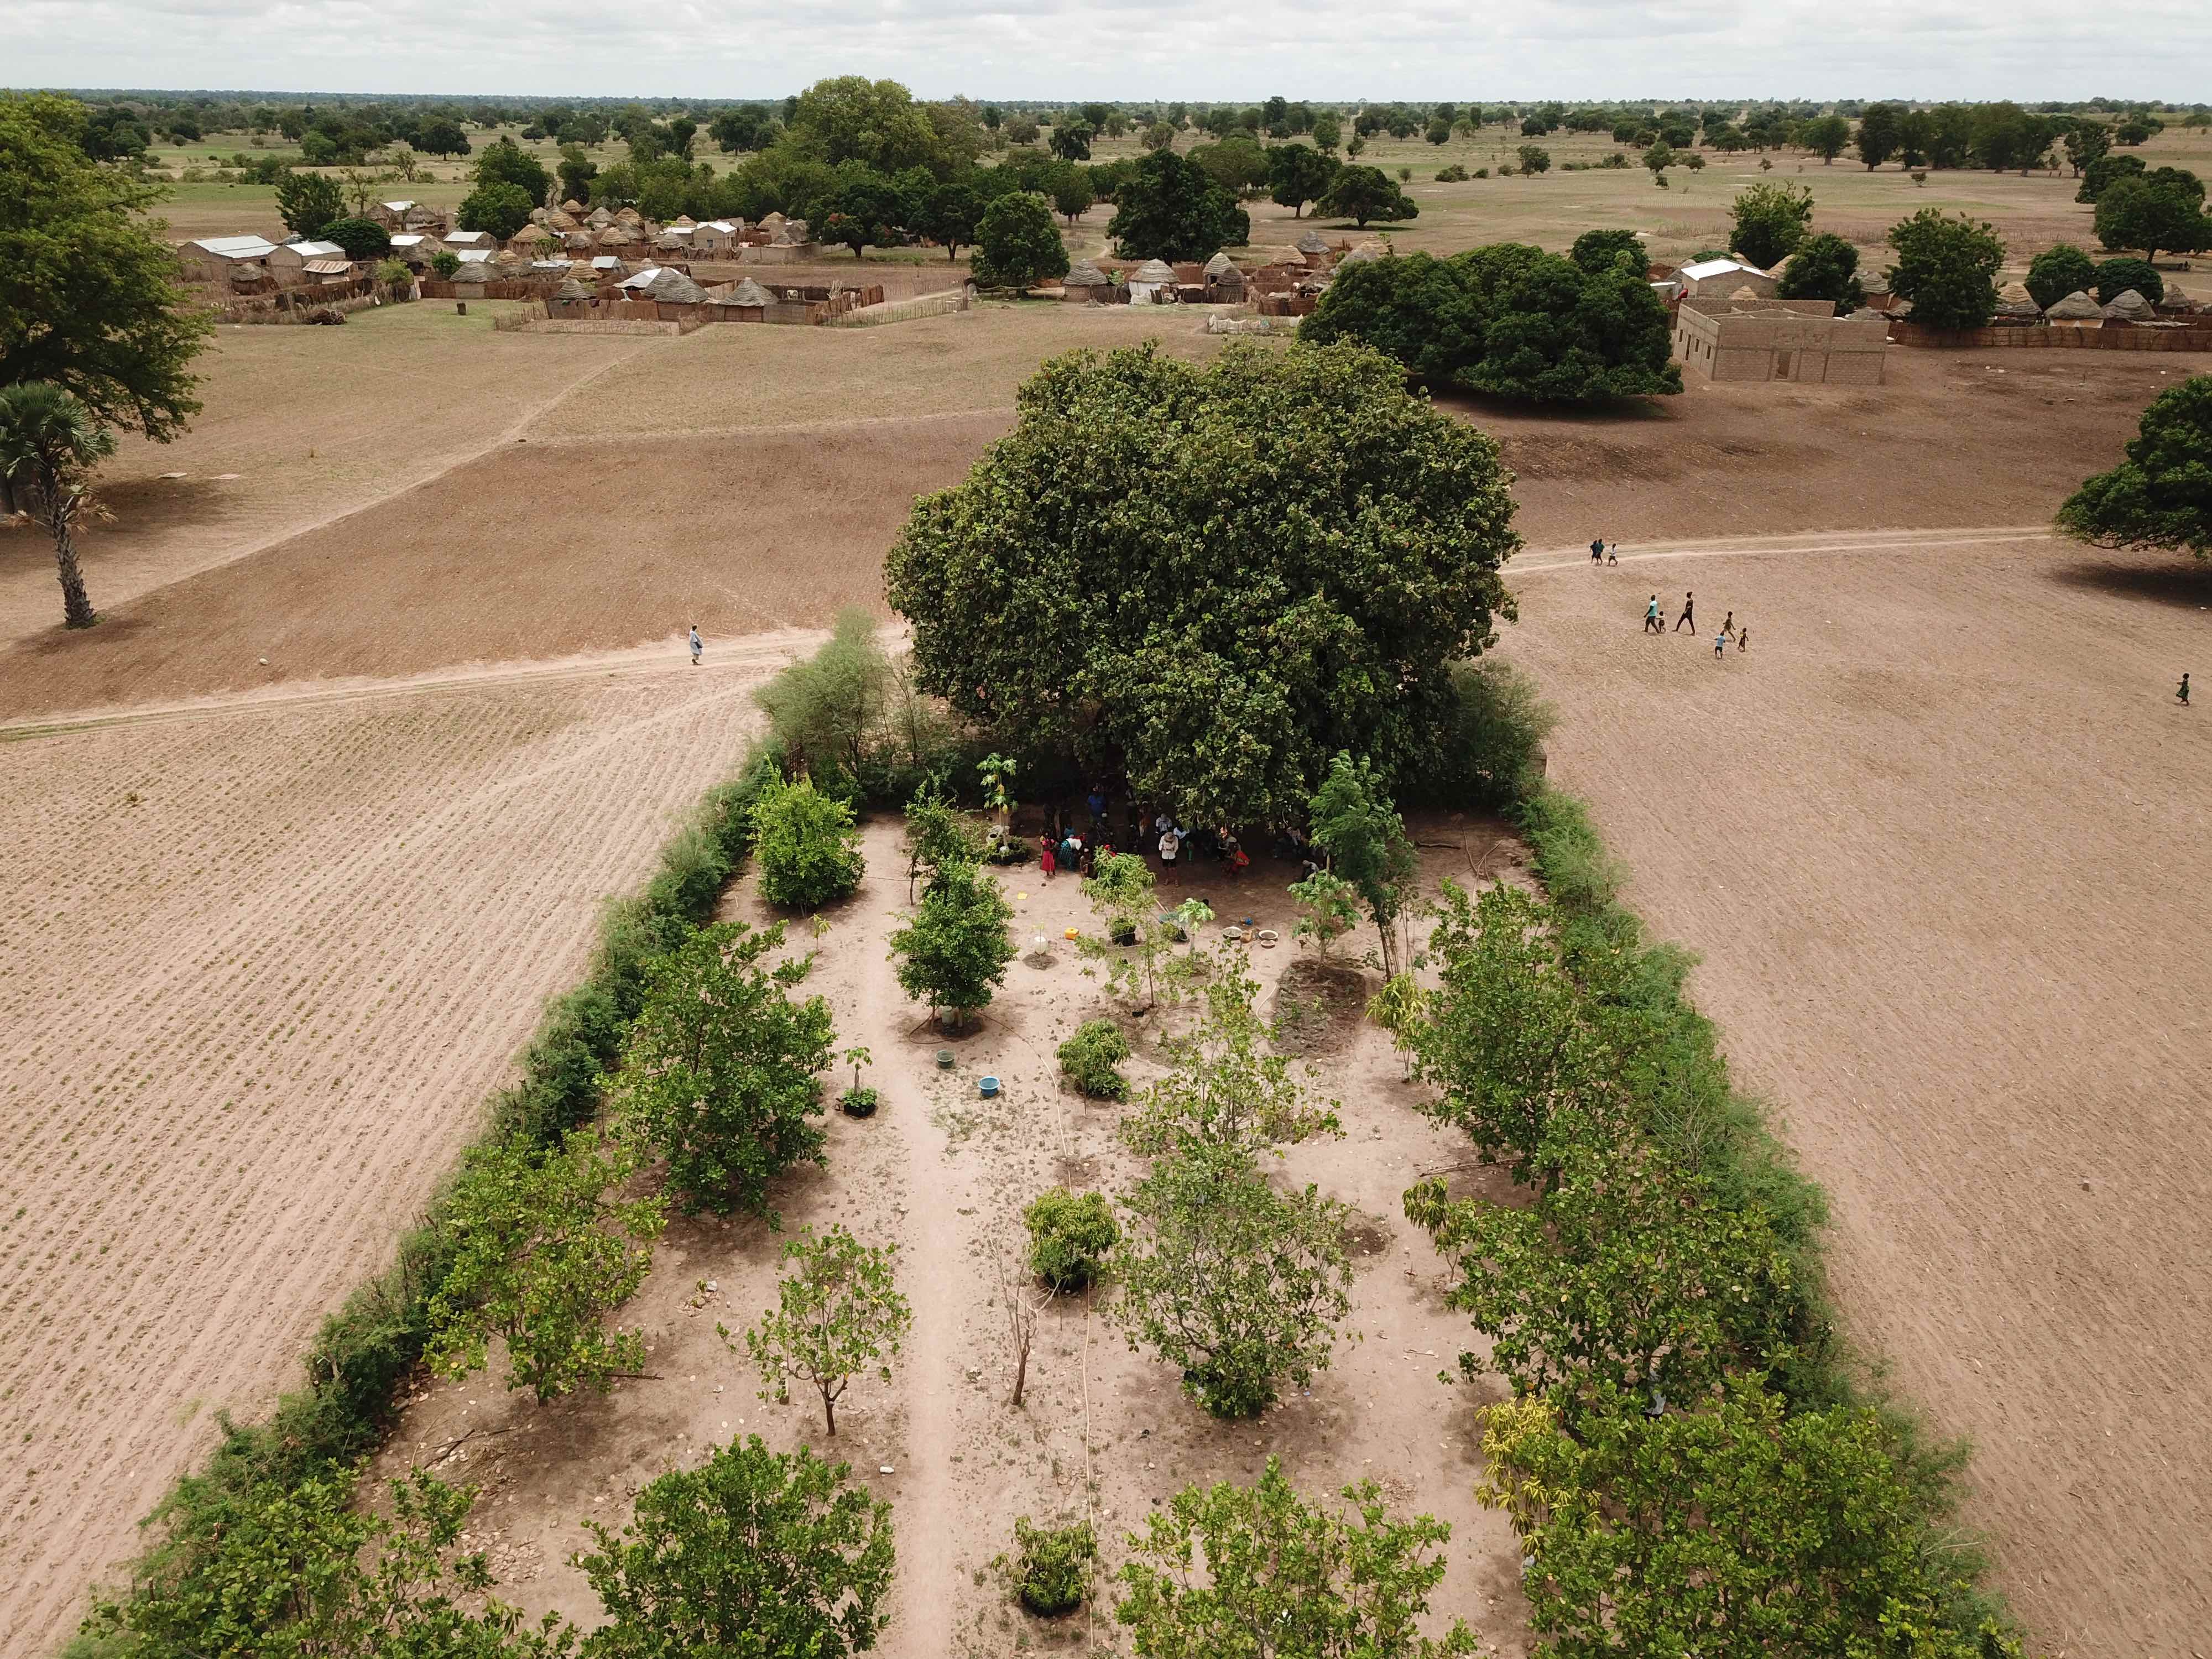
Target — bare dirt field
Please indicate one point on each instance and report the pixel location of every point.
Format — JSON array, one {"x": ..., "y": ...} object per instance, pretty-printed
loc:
[
  {"x": 264, "y": 966},
  {"x": 1940, "y": 835},
  {"x": 1104, "y": 1433}
]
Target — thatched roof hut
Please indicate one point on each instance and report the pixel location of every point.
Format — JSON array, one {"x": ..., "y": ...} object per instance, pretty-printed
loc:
[
  {"x": 570, "y": 288},
  {"x": 2128, "y": 306},
  {"x": 2076, "y": 307},
  {"x": 1312, "y": 244},
  {"x": 1083, "y": 274},
  {"x": 572, "y": 205},
  {"x": 2016, "y": 304},
  {"x": 671, "y": 287},
  {"x": 683, "y": 221},
  {"x": 631, "y": 215},
  {"x": 1153, "y": 271},
  {"x": 621, "y": 235},
  {"x": 1371, "y": 249},
  {"x": 1219, "y": 265},
  {"x": 599, "y": 218},
  {"x": 748, "y": 293},
  {"x": 559, "y": 219}
]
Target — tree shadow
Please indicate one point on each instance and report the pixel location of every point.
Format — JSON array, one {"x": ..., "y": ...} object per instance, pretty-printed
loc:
[{"x": 2187, "y": 582}]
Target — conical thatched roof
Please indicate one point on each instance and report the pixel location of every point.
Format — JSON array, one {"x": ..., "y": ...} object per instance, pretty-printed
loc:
[
  {"x": 684, "y": 222},
  {"x": 1313, "y": 242},
  {"x": 1747, "y": 292},
  {"x": 748, "y": 293},
  {"x": 630, "y": 215},
  {"x": 2128, "y": 306},
  {"x": 570, "y": 288},
  {"x": 2014, "y": 300},
  {"x": 1365, "y": 252},
  {"x": 559, "y": 219},
  {"x": 619, "y": 235},
  {"x": 599, "y": 218},
  {"x": 1083, "y": 274},
  {"x": 676, "y": 288},
  {"x": 1154, "y": 270},
  {"x": 2076, "y": 307},
  {"x": 1220, "y": 265},
  {"x": 572, "y": 205}
]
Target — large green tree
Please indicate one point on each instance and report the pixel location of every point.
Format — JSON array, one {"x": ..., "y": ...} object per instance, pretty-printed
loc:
[
  {"x": 1362, "y": 193},
  {"x": 49, "y": 445},
  {"x": 1947, "y": 265},
  {"x": 1281, "y": 1576},
  {"x": 954, "y": 952},
  {"x": 1016, "y": 244},
  {"x": 1172, "y": 209},
  {"x": 1824, "y": 267},
  {"x": 752, "y": 1555},
  {"x": 719, "y": 1074},
  {"x": 505, "y": 162},
  {"x": 2154, "y": 213},
  {"x": 838, "y": 1313},
  {"x": 2161, "y": 495},
  {"x": 2059, "y": 272},
  {"x": 308, "y": 201},
  {"x": 1210, "y": 579},
  {"x": 89, "y": 299},
  {"x": 1733, "y": 1530},
  {"x": 1511, "y": 321},
  {"x": 499, "y": 207},
  {"x": 1766, "y": 221},
  {"x": 849, "y": 118}
]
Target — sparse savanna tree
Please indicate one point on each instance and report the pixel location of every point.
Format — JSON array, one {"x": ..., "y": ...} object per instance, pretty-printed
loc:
[
  {"x": 2160, "y": 495},
  {"x": 719, "y": 1073},
  {"x": 838, "y": 1314},
  {"x": 753, "y": 1552},
  {"x": 1314, "y": 1579},
  {"x": 50, "y": 443},
  {"x": 542, "y": 1253}
]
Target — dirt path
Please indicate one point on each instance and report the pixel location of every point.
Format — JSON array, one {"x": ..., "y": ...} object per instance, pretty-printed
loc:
[{"x": 1940, "y": 836}]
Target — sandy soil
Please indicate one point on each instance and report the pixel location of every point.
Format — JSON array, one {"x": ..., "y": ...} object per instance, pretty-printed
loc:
[
  {"x": 1941, "y": 835},
  {"x": 264, "y": 966},
  {"x": 943, "y": 1174},
  {"x": 590, "y": 540}
]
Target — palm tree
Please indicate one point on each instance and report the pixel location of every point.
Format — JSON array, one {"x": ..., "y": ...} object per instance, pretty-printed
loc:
[{"x": 49, "y": 445}]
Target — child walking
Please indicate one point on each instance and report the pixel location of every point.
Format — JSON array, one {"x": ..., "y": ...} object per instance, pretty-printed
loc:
[
  {"x": 1047, "y": 857},
  {"x": 1651, "y": 623}
]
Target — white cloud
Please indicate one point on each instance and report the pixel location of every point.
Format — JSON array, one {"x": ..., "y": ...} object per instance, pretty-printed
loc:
[{"x": 1126, "y": 49}]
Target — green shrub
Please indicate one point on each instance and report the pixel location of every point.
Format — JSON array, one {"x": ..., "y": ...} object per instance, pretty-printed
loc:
[
  {"x": 1088, "y": 1059},
  {"x": 807, "y": 845},
  {"x": 1070, "y": 1235},
  {"x": 2116, "y": 277},
  {"x": 2059, "y": 272},
  {"x": 1454, "y": 174},
  {"x": 1490, "y": 748},
  {"x": 1051, "y": 1566}
]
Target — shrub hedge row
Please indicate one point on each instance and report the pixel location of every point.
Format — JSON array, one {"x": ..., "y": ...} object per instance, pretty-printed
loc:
[{"x": 365, "y": 1349}]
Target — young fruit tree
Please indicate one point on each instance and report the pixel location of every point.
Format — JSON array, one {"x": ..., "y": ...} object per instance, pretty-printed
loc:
[
  {"x": 955, "y": 951},
  {"x": 1020, "y": 1301},
  {"x": 719, "y": 1073},
  {"x": 1767, "y": 221},
  {"x": 1228, "y": 1091},
  {"x": 938, "y": 836},
  {"x": 543, "y": 1256},
  {"x": 1356, "y": 824},
  {"x": 1236, "y": 1284},
  {"x": 837, "y": 1314},
  {"x": 1322, "y": 615},
  {"x": 753, "y": 1552},
  {"x": 1071, "y": 1235},
  {"x": 1328, "y": 906},
  {"x": 808, "y": 849},
  {"x": 1317, "y": 1580},
  {"x": 1135, "y": 950}
]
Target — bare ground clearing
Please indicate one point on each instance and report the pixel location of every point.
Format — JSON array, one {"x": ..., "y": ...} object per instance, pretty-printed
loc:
[
  {"x": 1941, "y": 835},
  {"x": 944, "y": 1174},
  {"x": 593, "y": 541},
  {"x": 264, "y": 965}
]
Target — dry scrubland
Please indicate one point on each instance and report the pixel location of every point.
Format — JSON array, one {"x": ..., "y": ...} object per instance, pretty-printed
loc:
[
  {"x": 306, "y": 926},
  {"x": 1941, "y": 835}
]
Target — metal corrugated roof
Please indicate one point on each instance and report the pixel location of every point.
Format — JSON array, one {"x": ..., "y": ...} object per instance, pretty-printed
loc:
[
  {"x": 1704, "y": 268},
  {"x": 317, "y": 250},
  {"x": 396, "y": 207},
  {"x": 475, "y": 256},
  {"x": 468, "y": 237},
  {"x": 329, "y": 267},
  {"x": 237, "y": 247}
]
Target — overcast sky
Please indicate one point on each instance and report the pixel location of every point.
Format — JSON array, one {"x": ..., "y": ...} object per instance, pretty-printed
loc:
[{"x": 1118, "y": 49}]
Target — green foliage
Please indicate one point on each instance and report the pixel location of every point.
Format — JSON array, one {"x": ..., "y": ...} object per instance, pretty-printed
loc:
[
  {"x": 1089, "y": 1058},
  {"x": 2162, "y": 210},
  {"x": 1824, "y": 267},
  {"x": 1070, "y": 140},
  {"x": 1767, "y": 221},
  {"x": 1121, "y": 889},
  {"x": 1534, "y": 160},
  {"x": 2161, "y": 495},
  {"x": 2057, "y": 272},
  {"x": 2114, "y": 277},
  {"x": 838, "y": 1314},
  {"x": 1454, "y": 174},
  {"x": 1733, "y": 1527},
  {"x": 1356, "y": 824},
  {"x": 1225, "y": 1093},
  {"x": 1946, "y": 266},
  {"x": 938, "y": 836},
  {"x": 1071, "y": 195},
  {"x": 718, "y": 1073},
  {"x": 1051, "y": 1566},
  {"x": 1601, "y": 249},
  {"x": 444, "y": 264},
  {"x": 50, "y": 444},
  {"x": 809, "y": 851},
  {"x": 1511, "y": 321},
  {"x": 848, "y": 118},
  {"x": 753, "y": 1552},
  {"x": 1172, "y": 209},
  {"x": 949, "y": 217},
  {"x": 503, "y": 209},
  {"x": 1400, "y": 1008},
  {"x": 503, "y": 162},
  {"x": 1071, "y": 1235},
  {"x": 361, "y": 238},
  {"x": 2103, "y": 170},
  {"x": 306, "y": 1570},
  {"x": 1330, "y": 908},
  {"x": 1315, "y": 1580},
  {"x": 1489, "y": 743},
  {"x": 1016, "y": 244},
  {"x": 542, "y": 1255},
  {"x": 955, "y": 951},
  {"x": 823, "y": 710},
  {"x": 1364, "y": 193},
  {"x": 1090, "y": 587},
  {"x": 308, "y": 202},
  {"x": 1298, "y": 173},
  {"x": 1826, "y": 136},
  {"x": 89, "y": 299}
]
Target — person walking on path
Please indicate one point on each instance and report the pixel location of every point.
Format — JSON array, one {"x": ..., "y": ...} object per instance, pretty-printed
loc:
[
  {"x": 1743, "y": 637},
  {"x": 1047, "y": 860},
  {"x": 1727, "y": 624},
  {"x": 1612, "y": 552},
  {"x": 2182, "y": 693},
  {"x": 1688, "y": 618},
  {"x": 1597, "y": 551},
  {"x": 698, "y": 645},
  {"x": 1170, "y": 844},
  {"x": 1720, "y": 643},
  {"x": 1651, "y": 621}
]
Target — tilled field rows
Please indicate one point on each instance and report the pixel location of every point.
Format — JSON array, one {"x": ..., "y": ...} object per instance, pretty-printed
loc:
[{"x": 263, "y": 968}]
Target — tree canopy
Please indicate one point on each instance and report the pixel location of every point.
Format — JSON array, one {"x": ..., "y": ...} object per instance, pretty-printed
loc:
[
  {"x": 1172, "y": 208},
  {"x": 2155, "y": 214},
  {"x": 1509, "y": 319},
  {"x": 500, "y": 209},
  {"x": 89, "y": 299},
  {"x": 1947, "y": 265},
  {"x": 306, "y": 201},
  {"x": 1016, "y": 244},
  {"x": 953, "y": 954},
  {"x": 2161, "y": 495},
  {"x": 2059, "y": 272},
  {"x": 1298, "y": 173},
  {"x": 1824, "y": 267},
  {"x": 1364, "y": 193},
  {"x": 1768, "y": 221},
  {"x": 1210, "y": 579}
]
